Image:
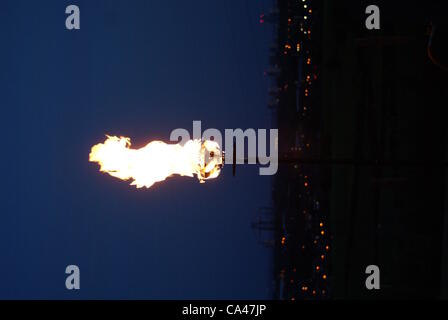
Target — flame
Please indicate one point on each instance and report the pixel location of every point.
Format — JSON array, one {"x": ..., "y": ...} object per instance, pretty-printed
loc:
[{"x": 157, "y": 160}]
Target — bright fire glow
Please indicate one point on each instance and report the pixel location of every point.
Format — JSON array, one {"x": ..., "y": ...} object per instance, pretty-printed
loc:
[{"x": 157, "y": 160}]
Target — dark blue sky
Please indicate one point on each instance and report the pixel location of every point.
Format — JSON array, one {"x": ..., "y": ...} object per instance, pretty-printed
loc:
[{"x": 139, "y": 69}]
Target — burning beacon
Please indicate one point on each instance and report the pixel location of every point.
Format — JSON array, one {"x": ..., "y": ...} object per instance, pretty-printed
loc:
[
  {"x": 211, "y": 160},
  {"x": 157, "y": 160}
]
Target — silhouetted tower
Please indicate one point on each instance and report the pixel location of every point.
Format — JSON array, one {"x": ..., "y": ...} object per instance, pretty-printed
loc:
[{"x": 264, "y": 225}]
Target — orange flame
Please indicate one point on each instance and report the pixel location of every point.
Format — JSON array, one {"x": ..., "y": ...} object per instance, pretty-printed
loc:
[{"x": 157, "y": 160}]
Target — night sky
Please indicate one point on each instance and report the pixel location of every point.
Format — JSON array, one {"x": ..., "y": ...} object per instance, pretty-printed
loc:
[{"x": 138, "y": 69}]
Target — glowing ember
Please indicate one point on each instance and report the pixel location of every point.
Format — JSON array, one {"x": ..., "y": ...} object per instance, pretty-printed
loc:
[{"x": 157, "y": 160}]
